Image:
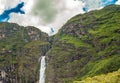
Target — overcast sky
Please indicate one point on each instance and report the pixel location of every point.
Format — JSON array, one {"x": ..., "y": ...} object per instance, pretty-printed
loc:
[{"x": 47, "y": 14}]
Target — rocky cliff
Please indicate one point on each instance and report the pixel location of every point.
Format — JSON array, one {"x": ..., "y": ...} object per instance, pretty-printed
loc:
[
  {"x": 20, "y": 51},
  {"x": 87, "y": 45}
]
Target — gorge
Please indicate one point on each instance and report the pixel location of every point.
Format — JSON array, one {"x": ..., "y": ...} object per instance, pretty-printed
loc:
[{"x": 87, "y": 47}]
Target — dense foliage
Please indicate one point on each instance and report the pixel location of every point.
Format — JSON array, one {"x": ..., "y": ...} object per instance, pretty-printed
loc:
[
  {"x": 86, "y": 48},
  {"x": 113, "y": 77},
  {"x": 20, "y": 50},
  {"x": 87, "y": 45}
]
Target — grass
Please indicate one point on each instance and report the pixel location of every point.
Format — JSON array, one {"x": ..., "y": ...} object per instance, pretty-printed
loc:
[
  {"x": 75, "y": 41},
  {"x": 113, "y": 77},
  {"x": 34, "y": 44}
]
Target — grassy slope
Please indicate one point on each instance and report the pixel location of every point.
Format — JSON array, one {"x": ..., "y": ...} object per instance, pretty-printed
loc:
[
  {"x": 87, "y": 45},
  {"x": 20, "y": 52},
  {"x": 113, "y": 77}
]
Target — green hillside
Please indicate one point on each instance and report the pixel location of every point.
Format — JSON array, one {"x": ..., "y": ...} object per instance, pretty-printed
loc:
[
  {"x": 87, "y": 45},
  {"x": 85, "y": 50},
  {"x": 20, "y": 51},
  {"x": 113, "y": 77}
]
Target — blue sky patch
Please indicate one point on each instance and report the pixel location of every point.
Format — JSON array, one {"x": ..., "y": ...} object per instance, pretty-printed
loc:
[
  {"x": 92, "y": 4},
  {"x": 5, "y": 16},
  {"x": 108, "y": 2}
]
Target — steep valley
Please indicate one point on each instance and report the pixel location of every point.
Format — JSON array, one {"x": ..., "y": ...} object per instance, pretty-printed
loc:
[{"x": 88, "y": 45}]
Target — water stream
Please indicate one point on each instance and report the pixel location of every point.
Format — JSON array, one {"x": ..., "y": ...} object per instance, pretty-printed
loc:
[{"x": 42, "y": 70}]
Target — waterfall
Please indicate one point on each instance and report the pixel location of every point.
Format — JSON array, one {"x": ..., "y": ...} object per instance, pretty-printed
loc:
[{"x": 42, "y": 70}]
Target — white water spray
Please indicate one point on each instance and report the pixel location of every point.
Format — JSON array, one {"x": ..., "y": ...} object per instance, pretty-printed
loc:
[{"x": 42, "y": 70}]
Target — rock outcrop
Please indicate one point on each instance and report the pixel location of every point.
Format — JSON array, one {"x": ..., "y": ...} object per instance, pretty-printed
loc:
[
  {"x": 20, "y": 50},
  {"x": 87, "y": 45}
]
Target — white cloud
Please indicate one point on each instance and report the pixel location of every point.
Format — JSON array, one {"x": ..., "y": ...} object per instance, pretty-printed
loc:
[
  {"x": 28, "y": 5},
  {"x": 70, "y": 4},
  {"x": 1, "y": 7},
  {"x": 8, "y": 3},
  {"x": 65, "y": 10},
  {"x": 118, "y": 2}
]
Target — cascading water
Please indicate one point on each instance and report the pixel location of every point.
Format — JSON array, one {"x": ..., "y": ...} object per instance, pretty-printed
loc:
[{"x": 42, "y": 70}]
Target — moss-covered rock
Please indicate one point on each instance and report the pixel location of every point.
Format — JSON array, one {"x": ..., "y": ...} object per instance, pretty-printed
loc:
[
  {"x": 87, "y": 45},
  {"x": 20, "y": 51}
]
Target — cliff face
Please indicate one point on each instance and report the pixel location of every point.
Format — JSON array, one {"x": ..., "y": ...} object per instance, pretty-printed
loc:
[
  {"x": 87, "y": 45},
  {"x": 20, "y": 51}
]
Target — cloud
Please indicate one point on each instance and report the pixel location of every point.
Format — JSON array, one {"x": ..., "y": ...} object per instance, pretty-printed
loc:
[
  {"x": 96, "y": 4},
  {"x": 5, "y": 16},
  {"x": 50, "y": 15},
  {"x": 118, "y": 2},
  {"x": 66, "y": 9},
  {"x": 45, "y": 9},
  {"x": 45, "y": 21}
]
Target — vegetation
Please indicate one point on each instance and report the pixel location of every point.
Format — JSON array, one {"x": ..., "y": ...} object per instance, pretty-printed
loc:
[
  {"x": 113, "y": 77},
  {"x": 86, "y": 46},
  {"x": 85, "y": 50},
  {"x": 20, "y": 51}
]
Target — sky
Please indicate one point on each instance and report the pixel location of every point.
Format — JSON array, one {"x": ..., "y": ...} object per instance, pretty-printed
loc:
[{"x": 47, "y": 15}]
